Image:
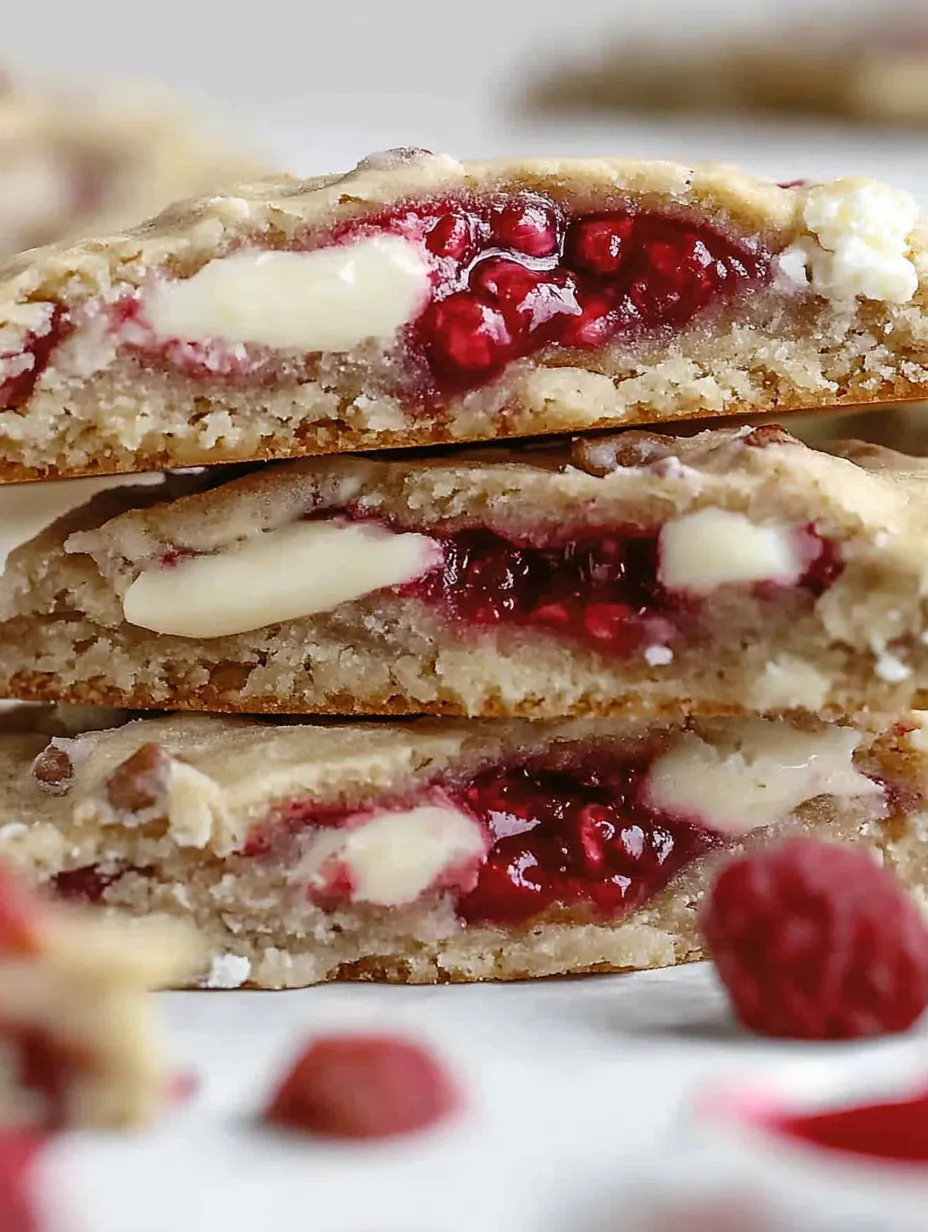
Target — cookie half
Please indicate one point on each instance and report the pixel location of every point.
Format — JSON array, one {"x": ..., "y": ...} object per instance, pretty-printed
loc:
[
  {"x": 853, "y": 70},
  {"x": 736, "y": 570},
  {"x": 81, "y": 1045},
  {"x": 419, "y": 300},
  {"x": 440, "y": 851}
]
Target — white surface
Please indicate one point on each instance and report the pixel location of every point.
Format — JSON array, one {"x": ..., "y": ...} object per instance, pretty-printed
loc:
[{"x": 580, "y": 1101}]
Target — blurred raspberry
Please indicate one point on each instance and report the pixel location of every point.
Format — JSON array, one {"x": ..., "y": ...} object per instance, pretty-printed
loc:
[
  {"x": 817, "y": 941},
  {"x": 363, "y": 1086},
  {"x": 18, "y": 1151},
  {"x": 21, "y": 923}
]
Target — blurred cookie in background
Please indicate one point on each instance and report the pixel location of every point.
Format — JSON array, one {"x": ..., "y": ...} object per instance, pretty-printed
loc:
[
  {"x": 903, "y": 428},
  {"x": 871, "y": 69},
  {"x": 78, "y": 163}
]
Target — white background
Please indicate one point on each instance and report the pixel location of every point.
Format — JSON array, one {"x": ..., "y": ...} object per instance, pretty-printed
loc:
[{"x": 327, "y": 80}]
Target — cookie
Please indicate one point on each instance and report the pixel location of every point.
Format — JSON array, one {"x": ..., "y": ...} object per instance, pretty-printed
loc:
[
  {"x": 736, "y": 570},
  {"x": 85, "y": 162},
  {"x": 418, "y": 300},
  {"x": 80, "y": 1039},
  {"x": 850, "y": 69},
  {"x": 440, "y": 850}
]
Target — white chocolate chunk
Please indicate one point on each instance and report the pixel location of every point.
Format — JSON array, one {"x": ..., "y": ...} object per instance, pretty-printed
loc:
[
  {"x": 712, "y": 547},
  {"x": 194, "y": 805},
  {"x": 393, "y": 858},
  {"x": 296, "y": 570},
  {"x": 658, "y": 656},
  {"x": 861, "y": 246},
  {"x": 330, "y": 299},
  {"x": 774, "y": 769}
]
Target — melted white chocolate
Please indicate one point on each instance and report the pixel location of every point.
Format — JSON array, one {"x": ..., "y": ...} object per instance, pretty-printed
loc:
[
  {"x": 296, "y": 570},
  {"x": 713, "y": 547},
  {"x": 394, "y": 857},
  {"x": 773, "y": 770},
  {"x": 329, "y": 299}
]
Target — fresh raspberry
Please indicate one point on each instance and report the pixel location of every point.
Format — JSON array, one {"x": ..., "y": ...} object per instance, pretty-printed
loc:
[
  {"x": 363, "y": 1086},
  {"x": 817, "y": 941}
]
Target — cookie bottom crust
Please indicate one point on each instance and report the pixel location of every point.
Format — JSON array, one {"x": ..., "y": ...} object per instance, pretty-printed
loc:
[
  {"x": 128, "y": 418},
  {"x": 395, "y": 662}
]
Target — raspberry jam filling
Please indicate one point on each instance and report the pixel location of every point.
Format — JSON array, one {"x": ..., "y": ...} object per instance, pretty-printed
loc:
[
  {"x": 87, "y": 884},
  {"x": 508, "y": 276},
  {"x": 572, "y": 834},
  {"x": 36, "y": 354},
  {"x": 514, "y": 274},
  {"x": 592, "y": 830},
  {"x": 511, "y": 276},
  {"x": 603, "y": 589},
  {"x": 578, "y": 836}
]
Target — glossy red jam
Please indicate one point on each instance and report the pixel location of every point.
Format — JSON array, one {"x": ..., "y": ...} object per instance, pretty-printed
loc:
[
  {"x": 513, "y": 274},
  {"x": 602, "y": 589},
  {"x": 510, "y": 275},
  {"x": 896, "y": 1130},
  {"x": 578, "y": 836},
  {"x": 574, "y": 834},
  {"x": 85, "y": 884}
]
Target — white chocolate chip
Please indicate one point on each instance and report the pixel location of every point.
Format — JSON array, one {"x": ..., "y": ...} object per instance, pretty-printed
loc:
[
  {"x": 227, "y": 971},
  {"x": 711, "y": 547},
  {"x": 277, "y": 575},
  {"x": 194, "y": 805},
  {"x": 774, "y": 769},
  {"x": 329, "y": 299},
  {"x": 861, "y": 246},
  {"x": 392, "y": 858}
]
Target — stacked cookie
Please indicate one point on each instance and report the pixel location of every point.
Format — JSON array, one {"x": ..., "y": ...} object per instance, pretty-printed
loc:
[{"x": 640, "y": 650}]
